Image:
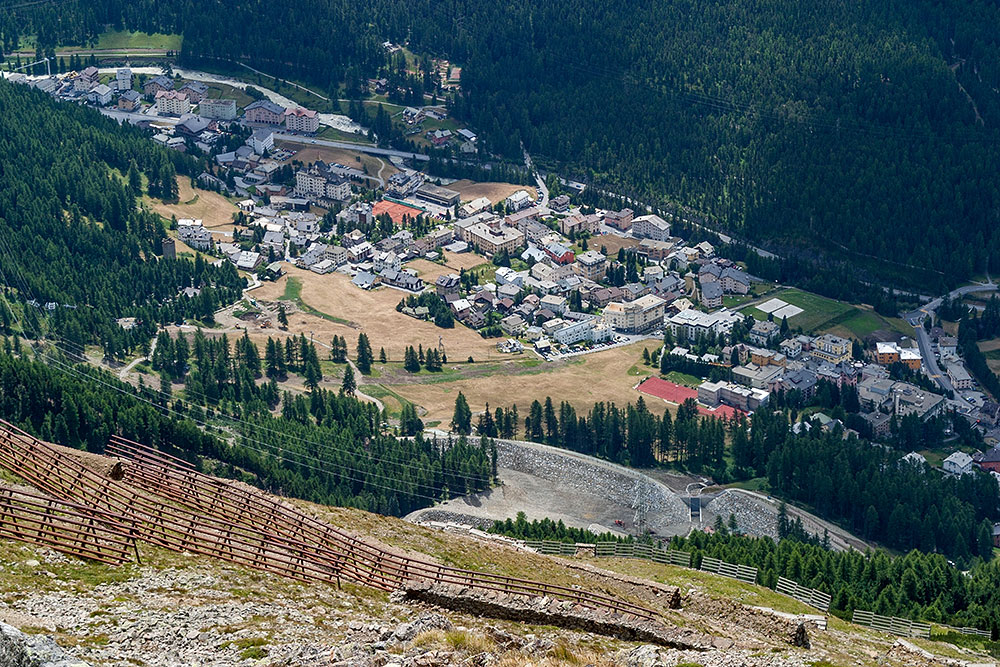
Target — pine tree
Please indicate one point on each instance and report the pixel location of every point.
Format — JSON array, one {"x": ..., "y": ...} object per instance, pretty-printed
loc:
[
  {"x": 349, "y": 384},
  {"x": 364, "y": 355},
  {"x": 461, "y": 421}
]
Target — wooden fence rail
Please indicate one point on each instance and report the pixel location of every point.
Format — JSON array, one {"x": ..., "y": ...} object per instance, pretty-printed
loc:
[
  {"x": 891, "y": 624},
  {"x": 809, "y": 596},
  {"x": 721, "y": 567}
]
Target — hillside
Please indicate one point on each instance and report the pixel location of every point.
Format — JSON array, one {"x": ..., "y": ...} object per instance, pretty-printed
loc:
[
  {"x": 72, "y": 237},
  {"x": 179, "y": 607},
  {"x": 838, "y": 130}
]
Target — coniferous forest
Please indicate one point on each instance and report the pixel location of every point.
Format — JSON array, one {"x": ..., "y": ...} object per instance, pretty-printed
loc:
[
  {"x": 326, "y": 447},
  {"x": 911, "y": 585},
  {"x": 72, "y": 233},
  {"x": 862, "y": 132}
]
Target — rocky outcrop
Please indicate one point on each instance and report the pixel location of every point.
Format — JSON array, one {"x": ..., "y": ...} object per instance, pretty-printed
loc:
[
  {"x": 550, "y": 611},
  {"x": 20, "y": 650},
  {"x": 746, "y": 618}
]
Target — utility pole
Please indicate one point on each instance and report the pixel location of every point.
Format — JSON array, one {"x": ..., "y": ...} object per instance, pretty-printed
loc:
[{"x": 641, "y": 506}]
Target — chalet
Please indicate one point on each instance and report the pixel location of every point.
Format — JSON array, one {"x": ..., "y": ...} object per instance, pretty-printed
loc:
[
  {"x": 518, "y": 201},
  {"x": 365, "y": 280},
  {"x": 249, "y": 260},
  {"x": 559, "y": 204},
  {"x": 129, "y": 100},
  {"x": 513, "y": 325},
  {"x": 958, "y": 463},
  {"x": 100, "y": 95},
  {"x": 763, "y": 332},
  {"x": 406, "y": 279},
  {"x": 313, "y": 255},
  {"x": 559, "y": 253},
  {"x": 156, "y": 85},
  {"x": 264, "y": 111},
  {"x": 195, "y": 90}
]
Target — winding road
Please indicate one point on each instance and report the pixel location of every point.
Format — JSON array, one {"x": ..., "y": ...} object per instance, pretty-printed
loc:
[{"x": 916, "y": 320}]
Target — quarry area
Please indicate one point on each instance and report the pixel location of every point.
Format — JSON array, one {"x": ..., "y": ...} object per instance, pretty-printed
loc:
[{"x": 585, "y": 492}]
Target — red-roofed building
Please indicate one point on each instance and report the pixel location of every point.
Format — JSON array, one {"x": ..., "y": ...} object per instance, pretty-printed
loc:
[{"x": 301, "y": 120}]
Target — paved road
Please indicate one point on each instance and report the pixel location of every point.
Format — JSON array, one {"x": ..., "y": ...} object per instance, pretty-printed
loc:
[
  {"x": 345, "y": 145},
  {"x": 542, "y": 188},
  {"x": 930, "y": 362},
  {"x": 916, "y": 319},
  {"x": 123, "y": 374}
]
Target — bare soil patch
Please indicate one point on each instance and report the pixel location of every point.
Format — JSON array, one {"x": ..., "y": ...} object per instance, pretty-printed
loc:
[
  {"x": 453, "y": 263},
  {"x": 493, "y": 191},
  {"x": 612, "y": 243}
]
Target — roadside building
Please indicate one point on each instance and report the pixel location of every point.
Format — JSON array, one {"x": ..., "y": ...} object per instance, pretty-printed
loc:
[
  {"x": 264, "y": 111},
  {"x": 219, "y": 109},
  {"x": 651, "y": 227},
  {"x": 640, "y": 316},
  {"x": 301, "y": 120},
  {"x": 172, "y": 103},
  {"x": 958, "y": 375}
]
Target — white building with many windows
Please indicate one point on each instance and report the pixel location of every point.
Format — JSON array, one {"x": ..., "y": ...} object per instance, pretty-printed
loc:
[
  {"x": 301, "y": 120},
  {"x": 172, "y": 103}
]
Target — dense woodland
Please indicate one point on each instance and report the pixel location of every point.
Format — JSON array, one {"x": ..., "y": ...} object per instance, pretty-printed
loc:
[
  {"x": 71, "y": 233},
  {"x": 325, "y": 447},
  {"x": 914, "y": 585},
  {"x": 860, "y": 130}
]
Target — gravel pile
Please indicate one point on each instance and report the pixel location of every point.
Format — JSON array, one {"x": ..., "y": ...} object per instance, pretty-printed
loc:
[
  {"x": 618, "y": 485},
  {"x": 752, "y": 516}
]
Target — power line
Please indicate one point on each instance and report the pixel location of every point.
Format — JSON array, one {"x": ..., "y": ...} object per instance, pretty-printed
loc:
[
  {"x": 215, "y": 402},
  {"x": 321, "y": 446}
]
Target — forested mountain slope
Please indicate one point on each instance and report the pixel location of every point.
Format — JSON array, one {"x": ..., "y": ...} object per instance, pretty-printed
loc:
[
  {"x": 71, "y": 232},
  {"x": 864, "y": 129}
]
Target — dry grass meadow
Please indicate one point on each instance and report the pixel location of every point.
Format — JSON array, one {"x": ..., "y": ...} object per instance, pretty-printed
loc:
[
  {"x": 373, "y": 312},
  {"x": 214, "y": 210},
  {"x": 430, "y": 271},
  {"x": 582, "y": 381}
]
